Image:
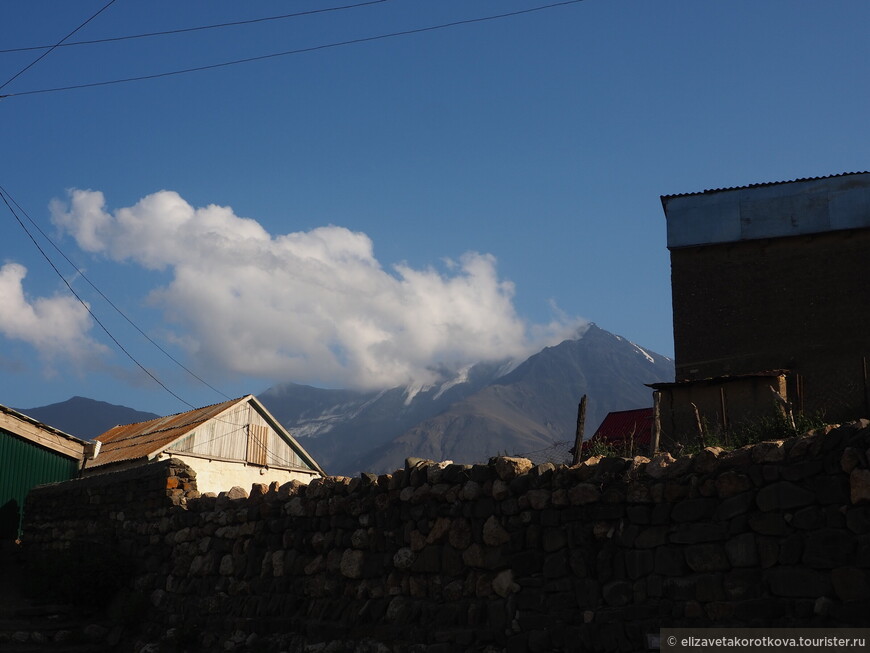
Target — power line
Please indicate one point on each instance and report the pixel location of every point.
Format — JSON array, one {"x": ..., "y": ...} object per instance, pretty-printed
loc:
[
  {"x": 83, "y": 303},
  {"x": 56, "y": 45},
  {"x": 315, "y": 48},
  {"x": 109, "y": 301},
  {"x": 195, "y": 29}
]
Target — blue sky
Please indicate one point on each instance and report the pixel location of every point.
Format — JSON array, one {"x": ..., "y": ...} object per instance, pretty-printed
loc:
[{"x": 359, "y": 215}]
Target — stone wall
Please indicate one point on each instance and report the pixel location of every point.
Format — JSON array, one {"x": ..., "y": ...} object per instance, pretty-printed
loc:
[{"x": 498, "y": 557}]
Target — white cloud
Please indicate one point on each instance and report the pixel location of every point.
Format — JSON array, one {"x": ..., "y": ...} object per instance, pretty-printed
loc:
[
  {"x": 56, "y": 326},
  {"x": 313, "y": 307}
]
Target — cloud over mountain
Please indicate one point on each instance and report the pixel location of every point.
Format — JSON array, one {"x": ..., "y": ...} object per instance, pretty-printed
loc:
[{"x": 314, "y": 305}]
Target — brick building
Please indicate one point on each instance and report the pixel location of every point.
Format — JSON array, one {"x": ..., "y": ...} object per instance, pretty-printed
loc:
[{"x": 776, "y": 276}]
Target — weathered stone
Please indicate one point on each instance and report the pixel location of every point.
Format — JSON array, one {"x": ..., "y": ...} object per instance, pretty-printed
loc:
[
  {"x": 797, "y": 582},
  {"x": 538, "y": 499},
  {"x": 658, "y": 465},
  {"x": 501, "y": 490},
  {"x": 698, "y": 532},
  {"x": 583, "y": 493},
  {"x": 692, "y": 509},
  {"x": 651, "y": 537},
  {"x": 851, "y": 583},
  {"x": 783, "y": 495},
  {"x": 236, "y": 492},
  {"x": 769, "y": 523},
  {"x": 772, "y": 451},
  {"x": 731, "y": 483},
  {"x": 404, "y": 558},
  {"x": 554, "y": 539},
  {"x": 503, "y": 584},
  {"x": 742, "y": 550},
  {"x": 639, "y": 563},
  {"x": 670, "y": 561},
  {"x": 507, "y": 468},
  {"x": 742, "y": 584},
  {"x": 439, "y": 530},
  {"x": 493, "y": 532},
  {"x": 226, "y": 567},
  {"x": 618, "y": 593},
  {"x": 859, "y": 485},
  {"x": 352, "y": 561},
  {"x": 828, "y": 548},
  {"x": 707, "y": 557},
  {"x": 707, "y": 460}
]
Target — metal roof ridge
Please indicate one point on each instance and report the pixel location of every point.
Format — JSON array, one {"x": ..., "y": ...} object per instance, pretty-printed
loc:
[{"x": 764, "y": 183}]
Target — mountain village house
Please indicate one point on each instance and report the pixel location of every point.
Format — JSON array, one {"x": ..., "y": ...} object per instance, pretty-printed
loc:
[
  {"x": 771, "y": 295},
  {"x": 234, "y": 443}
]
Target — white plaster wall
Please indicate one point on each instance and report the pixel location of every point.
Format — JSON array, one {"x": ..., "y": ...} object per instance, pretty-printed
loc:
[{"x": 219, "y": 475}]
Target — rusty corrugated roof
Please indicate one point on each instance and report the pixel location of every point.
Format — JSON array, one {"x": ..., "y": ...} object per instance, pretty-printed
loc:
[
  {"x": 144, "y": 439},
  {"x": 758, "y": 185}
]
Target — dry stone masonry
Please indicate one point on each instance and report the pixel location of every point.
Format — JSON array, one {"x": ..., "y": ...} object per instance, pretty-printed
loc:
[{"x": 508, "y": 556}]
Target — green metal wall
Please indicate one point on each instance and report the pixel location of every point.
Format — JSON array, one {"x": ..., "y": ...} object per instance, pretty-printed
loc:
[{"x": 24, "y": 465}]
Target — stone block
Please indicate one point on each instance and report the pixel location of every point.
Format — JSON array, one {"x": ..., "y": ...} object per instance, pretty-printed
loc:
[
  {"x": 828, "y": 548},
  {"x": 859, "y": 486},
  {"x": 639, "y": 563},
  {"x": 742, "y": 550},
  {"x": 742, "y": 584},
  {"x": 851, "y": 583},
  {"x": 783, "y": 495},
  {"x": 731, "y": 483},
  {"x": 707, "y": 557},
  {"x": 699, "y": 532},
  {"x": 670, "y": 561},
  {"x": 692, "y": 509},
  {"x": 793, "y": 582}
]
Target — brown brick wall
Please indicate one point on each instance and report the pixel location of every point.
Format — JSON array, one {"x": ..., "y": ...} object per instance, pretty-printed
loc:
[{"x": 800, "y": 303}]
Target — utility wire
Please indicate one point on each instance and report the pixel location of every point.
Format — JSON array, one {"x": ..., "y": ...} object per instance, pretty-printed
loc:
[
  {"x": 195, "y": 29},
  {"x": 56, "y": 45},
  {"x": 83, "y": 303},
  {"x": 326, "y": 46},
  {"x": 109, "y": 301}
]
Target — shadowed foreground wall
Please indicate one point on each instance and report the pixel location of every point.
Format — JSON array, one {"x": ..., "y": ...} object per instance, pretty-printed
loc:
[{"x": 507, "y": 556}]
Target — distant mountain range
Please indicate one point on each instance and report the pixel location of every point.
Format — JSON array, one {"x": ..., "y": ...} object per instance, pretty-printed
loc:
[
  {"x": 85, "y": 418},
  {"x": 477, "y": 411}
]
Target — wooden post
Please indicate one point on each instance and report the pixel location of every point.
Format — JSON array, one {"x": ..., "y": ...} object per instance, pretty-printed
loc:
[
  {"x": 699, "y": 425},
  {"x": 723, "y": 406},
  {"x": 581, "y": 426},
  {"x": 657, "y": 423}
]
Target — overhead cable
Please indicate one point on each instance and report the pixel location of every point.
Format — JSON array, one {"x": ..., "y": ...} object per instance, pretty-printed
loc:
[
  {"x": 56, "y": 45},
  {"x": 109, "y": 301},
  {"x": 83, "y": 303},
  {"x": 314, "y": 48},
  {"x": 194, "y": 29}
]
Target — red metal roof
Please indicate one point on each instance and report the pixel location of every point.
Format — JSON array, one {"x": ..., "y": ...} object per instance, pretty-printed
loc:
[
  {"x": 768, "y": 183},
  {"x": 625, "y": 425},
  {"x": 142, "y": 439}
]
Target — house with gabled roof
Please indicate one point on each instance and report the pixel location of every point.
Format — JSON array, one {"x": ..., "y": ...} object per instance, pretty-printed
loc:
[
  {"x": 234, "y": 443},
  {"x": 31, "y": 453}
]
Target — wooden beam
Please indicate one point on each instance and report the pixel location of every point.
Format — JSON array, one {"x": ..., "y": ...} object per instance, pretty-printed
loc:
[{"x": 41, "y": 436}]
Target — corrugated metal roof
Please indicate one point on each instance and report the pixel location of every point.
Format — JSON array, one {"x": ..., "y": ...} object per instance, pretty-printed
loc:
[
  {"x": 624, "y": 425},
  {"x": 145, "y": 439},
  {"x": 758, "y": 185}
]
